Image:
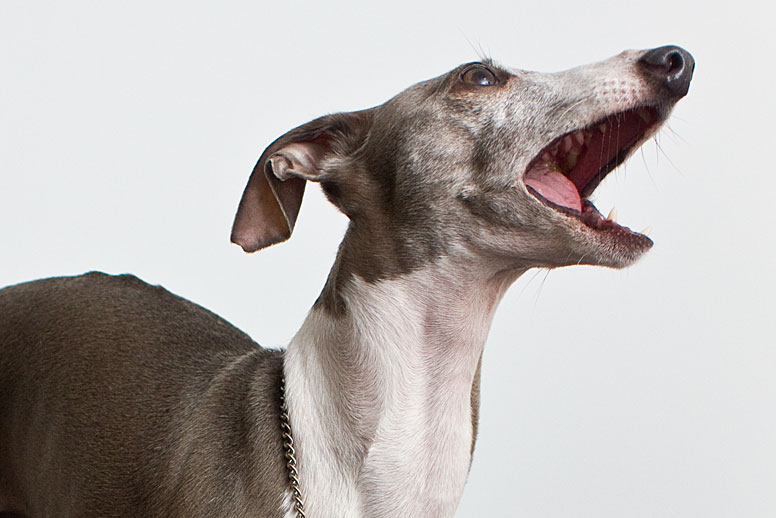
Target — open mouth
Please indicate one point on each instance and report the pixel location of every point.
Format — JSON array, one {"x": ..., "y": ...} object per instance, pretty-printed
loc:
[{"x": 570, "y": 168}]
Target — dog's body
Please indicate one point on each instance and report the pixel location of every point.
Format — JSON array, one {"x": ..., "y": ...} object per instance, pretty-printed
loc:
[{"x": 120, "y": 399}]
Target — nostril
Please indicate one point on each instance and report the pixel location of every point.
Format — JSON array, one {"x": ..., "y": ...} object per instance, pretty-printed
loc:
[
  {"x": 675, "y": 62},
  {"x": 665, "y": 60},
  {"x": 672, "y": 66}
]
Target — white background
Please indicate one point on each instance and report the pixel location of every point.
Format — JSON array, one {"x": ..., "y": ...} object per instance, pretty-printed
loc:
[{"x": 128, "y": 130}]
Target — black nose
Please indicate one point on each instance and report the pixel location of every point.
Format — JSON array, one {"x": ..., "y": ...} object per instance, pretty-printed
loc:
[{"x": 672, "y": 66}]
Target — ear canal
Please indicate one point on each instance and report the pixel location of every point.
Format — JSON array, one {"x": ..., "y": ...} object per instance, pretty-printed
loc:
[
  {"x": 301, "y": 159},
  {"x": 270, "y": 203}
]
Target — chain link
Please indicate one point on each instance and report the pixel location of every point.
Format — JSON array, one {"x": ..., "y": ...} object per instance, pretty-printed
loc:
[{"x": 288, "y": 445}]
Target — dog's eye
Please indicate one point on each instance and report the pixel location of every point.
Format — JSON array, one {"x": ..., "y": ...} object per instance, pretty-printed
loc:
[{"x": 479, "y": 75}]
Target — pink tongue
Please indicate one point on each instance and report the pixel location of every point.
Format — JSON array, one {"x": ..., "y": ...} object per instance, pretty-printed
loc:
[{"x": 555, "y": 187}]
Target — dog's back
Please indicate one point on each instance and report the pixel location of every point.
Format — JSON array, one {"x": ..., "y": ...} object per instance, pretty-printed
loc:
[{"x": 112, "y": 392}]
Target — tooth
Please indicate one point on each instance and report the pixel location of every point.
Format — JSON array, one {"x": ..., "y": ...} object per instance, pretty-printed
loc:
[
  {"x": 579, "y": 137},
  {"x": 588, "y": 137},
  {"x": 644, "y": 114},
  {"x": 571, "y": 158},
  {"x": 602, "y": 127},
  {"x": 612, "y": 216},
  {"x": 567, "y": 143},
  {"x": 647, "y": 231}
]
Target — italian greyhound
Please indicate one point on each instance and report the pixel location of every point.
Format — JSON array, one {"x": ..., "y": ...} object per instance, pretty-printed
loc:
[{"x": 118, "y": 398}]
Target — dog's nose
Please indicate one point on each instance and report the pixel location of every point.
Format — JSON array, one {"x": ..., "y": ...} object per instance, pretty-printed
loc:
[{"x": 672, "y": 66}]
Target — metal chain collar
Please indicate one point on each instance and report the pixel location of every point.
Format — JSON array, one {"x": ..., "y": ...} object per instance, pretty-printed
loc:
[{"x": 288, "y": 445}]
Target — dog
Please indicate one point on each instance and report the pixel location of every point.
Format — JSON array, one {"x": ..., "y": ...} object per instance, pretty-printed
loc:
[{"x": 118, "y": 398}]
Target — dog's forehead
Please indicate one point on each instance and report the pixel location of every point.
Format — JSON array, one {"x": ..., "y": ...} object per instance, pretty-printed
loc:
[{"x": 444, "y": 119}]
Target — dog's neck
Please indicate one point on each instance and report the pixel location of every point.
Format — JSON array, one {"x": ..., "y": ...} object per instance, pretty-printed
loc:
[{"x": 380, "y": 391}]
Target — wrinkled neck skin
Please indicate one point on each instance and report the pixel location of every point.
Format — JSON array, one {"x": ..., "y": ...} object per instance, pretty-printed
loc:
[{"x": 380, "y": 393}]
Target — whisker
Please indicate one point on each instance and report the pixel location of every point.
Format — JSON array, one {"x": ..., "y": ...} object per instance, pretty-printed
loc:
[
  {"x": 536, "y": 272},
  {"x": 541, "y": 285},
  {"x": 478, "y": 50},
  {"x": 646, "y": 167},
  {"x": 675, "y": 134},
  {"x": 617, "y": 140},
  {"x": 531, "y": 280},
  {"x": 661, "y": 150}
]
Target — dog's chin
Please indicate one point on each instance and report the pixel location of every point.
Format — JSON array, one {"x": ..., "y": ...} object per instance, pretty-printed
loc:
[
  {"x": 613, "y": 248},
  {"x": 574, "y": 244}
]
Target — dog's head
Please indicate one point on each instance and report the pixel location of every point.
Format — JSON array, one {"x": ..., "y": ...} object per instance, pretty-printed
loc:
[{"x": 492, "y": 163}]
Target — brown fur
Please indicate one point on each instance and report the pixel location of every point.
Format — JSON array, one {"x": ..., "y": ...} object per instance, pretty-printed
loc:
[{"x": 139, "y": 403}]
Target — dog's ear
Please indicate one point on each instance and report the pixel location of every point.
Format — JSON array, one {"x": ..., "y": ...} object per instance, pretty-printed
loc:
[{"x": 271, "y": 200}]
